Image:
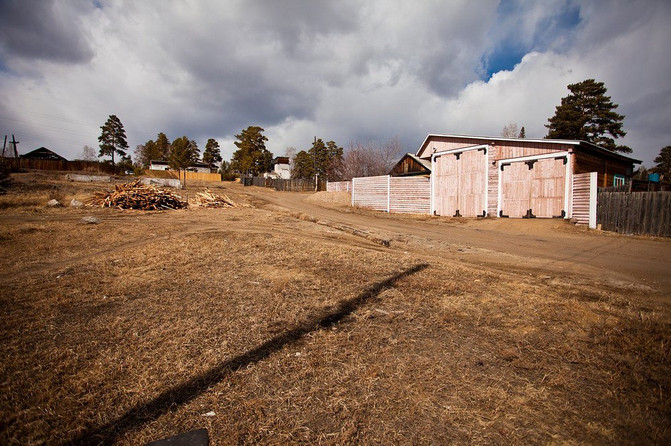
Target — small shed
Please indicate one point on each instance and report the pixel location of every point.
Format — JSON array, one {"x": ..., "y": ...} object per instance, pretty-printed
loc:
[
  {"x": 479, "y": 176},
  {"x": 43, "y": 154},
  {"x": 411, "y": 165}
]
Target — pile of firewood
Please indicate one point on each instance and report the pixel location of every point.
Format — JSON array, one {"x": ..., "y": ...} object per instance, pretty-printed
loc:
[
  {"x": 209, "y": 200},
  {"x": 135, "y": 195}
]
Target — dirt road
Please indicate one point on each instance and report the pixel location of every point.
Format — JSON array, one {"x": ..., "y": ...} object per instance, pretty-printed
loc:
[{"x": 542, "y": 246}]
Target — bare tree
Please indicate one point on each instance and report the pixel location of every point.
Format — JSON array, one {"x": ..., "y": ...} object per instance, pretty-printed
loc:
[
  {"x": 371, "y": 158},
  {"x": 510, "y": 130},
  {"x": 88, "y": 153}
]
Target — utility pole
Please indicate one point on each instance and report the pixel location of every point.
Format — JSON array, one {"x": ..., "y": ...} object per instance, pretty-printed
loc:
[
  {"x": 314, "y": 159},
  {"x": 14, "y": 143},
  {"x": 4, "y": 146}
]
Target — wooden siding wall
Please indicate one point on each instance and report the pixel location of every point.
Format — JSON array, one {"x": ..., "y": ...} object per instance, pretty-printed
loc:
[
  {"x": 408, "y": 166},
  {"x": 410, "y": 195},
  {"x": 371, "y": 192},
  {"x": 580, "y": 199},
  {"x": 393, "y": 194},
  {"x": 605, "y": 169},
  {"x": 338, "y": 186},
  {"x": 501, "y": 149}
]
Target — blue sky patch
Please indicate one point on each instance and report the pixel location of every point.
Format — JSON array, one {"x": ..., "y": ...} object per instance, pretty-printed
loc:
[{"x": 551, "y": 32}]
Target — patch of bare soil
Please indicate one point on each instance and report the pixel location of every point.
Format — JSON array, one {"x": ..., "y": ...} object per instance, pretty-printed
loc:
[{"x": 265, "y": 327}]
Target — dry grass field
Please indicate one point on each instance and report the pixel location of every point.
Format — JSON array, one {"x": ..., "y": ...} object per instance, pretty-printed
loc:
[{"x": 264, "y": 326}]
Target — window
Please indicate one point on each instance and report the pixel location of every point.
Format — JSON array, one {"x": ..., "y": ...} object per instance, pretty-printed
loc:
[{"x": 618, "y": 180}]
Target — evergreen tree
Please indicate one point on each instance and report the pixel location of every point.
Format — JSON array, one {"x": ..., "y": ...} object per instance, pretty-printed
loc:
[
  {"x": 663, "y": 162},
  {"x": 148, "y": 152},
  {"x": 252, "y": 156},
  {"x": 162, "y": 146},
  {"x": 302, "y": 165},
  {"x": 211, "y": 155},
  {"x": 183, "y": 153},
  {"x": 324, "y": 159},
  {"x": 113, "y": 138},
  {"x": 522, "y": 134},
  {"x": 587, "y": 114}
]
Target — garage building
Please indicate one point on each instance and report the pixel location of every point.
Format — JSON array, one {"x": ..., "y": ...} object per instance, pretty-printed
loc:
[{"x": 477, "y": 176}]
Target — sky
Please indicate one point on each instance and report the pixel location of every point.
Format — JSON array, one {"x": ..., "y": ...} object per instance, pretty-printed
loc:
[{"x": 345, "y": 70}]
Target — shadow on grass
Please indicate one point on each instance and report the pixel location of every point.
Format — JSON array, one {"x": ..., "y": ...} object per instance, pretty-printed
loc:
[{"x": 188, "y": 390}]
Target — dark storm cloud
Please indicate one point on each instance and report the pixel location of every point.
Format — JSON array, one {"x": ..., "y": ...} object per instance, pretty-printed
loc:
[{"x": 42, "y": 29}]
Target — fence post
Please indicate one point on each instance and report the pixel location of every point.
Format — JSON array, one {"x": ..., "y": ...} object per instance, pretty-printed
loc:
[
  {"x": 353, "y": 189},
  {"x": 592, "y": 199},
  {"x": 388, "y": 193}
]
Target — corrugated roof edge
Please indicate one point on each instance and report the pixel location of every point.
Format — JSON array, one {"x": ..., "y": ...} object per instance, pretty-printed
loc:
[{"x": 571, "y": 142}]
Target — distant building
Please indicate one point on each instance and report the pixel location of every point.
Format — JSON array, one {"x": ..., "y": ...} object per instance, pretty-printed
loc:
[
  {"x": 158, "y": 165},
  {"x": 281, "y": 168},
  {"x": 163, "y": 165},
  {"x": 43, "y": 154},
  {"x": 199, "y": 167}
]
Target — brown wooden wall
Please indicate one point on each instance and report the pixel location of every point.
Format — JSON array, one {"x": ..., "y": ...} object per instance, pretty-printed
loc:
[
  {"x": 408, "y": 166},
  {"x": 605, "y": 168}
]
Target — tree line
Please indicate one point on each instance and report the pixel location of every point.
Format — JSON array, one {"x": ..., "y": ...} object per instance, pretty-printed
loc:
[{"x": 586, "y": 114}]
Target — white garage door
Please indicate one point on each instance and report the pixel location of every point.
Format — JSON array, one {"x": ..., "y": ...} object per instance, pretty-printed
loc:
[{"x": 533, "y": 188}]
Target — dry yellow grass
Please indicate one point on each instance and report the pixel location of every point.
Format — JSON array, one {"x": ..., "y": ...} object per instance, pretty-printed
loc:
[{"x": 132, "y": 330}]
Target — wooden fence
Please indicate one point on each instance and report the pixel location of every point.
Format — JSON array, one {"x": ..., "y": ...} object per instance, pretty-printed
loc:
[
  {"x": 393, "y": 194},
  {"x": 338, "y": 186},
  {"x": 635, "y": 212},
  {"x": 290, "y": 185},
  {"x": 67, "y": 166},
  {"x": 199, "y": 176}
]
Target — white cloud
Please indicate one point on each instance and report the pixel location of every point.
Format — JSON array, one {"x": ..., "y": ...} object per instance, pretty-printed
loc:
[{"x": 336, "y": 70}]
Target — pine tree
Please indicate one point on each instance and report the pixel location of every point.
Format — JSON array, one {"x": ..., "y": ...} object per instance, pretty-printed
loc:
[
  {"x": 324, "y": 159},
  {"x": 162, "y": 146},
  {"x": 663, "y": 162},
  {"x": 522, "y": 134},
  {"x": 252, "y": 156},
  {"x": 302, "y": 165},
  {"x": 587, "y": 114},
  {"x": 211, "y": 155},
  {"x": 113, "y": 138},
  {"x": 183, "y": 153}
]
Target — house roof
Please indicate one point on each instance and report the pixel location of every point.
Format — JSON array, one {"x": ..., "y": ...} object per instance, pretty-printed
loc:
[
  {"x": 575, "y": 143},
  {"x": 43, "y": 153},
  {"x": 425, "y": 163}
]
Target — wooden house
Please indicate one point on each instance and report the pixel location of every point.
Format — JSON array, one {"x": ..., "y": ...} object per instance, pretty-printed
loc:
[
  {"x": 411, "y": 165},
  {"x": 510, "y": 177},
  {"x": 43, "y": 154}
]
